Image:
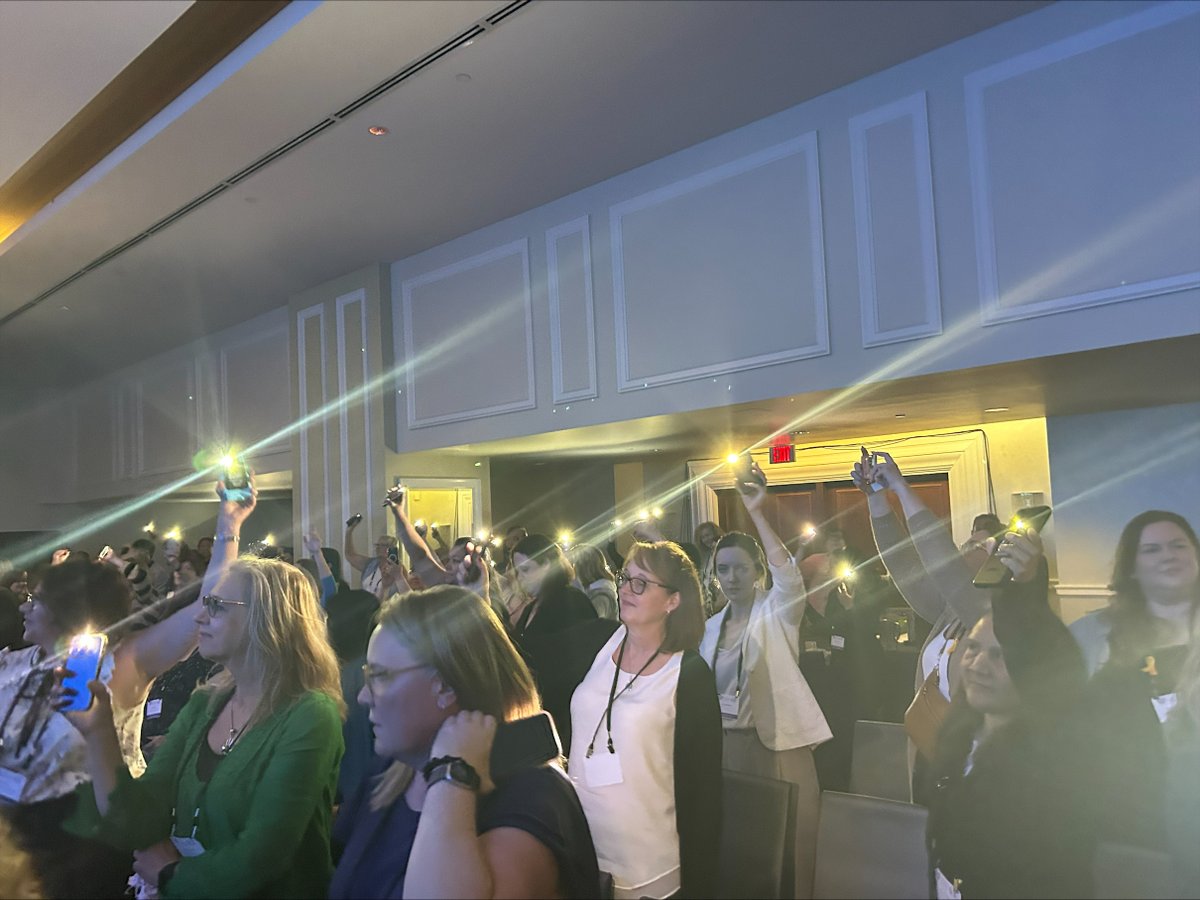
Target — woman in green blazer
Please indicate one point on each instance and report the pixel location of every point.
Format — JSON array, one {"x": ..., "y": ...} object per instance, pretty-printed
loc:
[{"x": 238, "y": 800}]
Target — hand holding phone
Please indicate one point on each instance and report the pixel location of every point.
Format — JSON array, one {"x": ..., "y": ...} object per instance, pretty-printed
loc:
[
  {"x": 523, "y": 744},
  {"x": 235, "y": 482},
  {"x": 395, "y": 496},
  {"x": 353, "y": 520},
  {"x": 746, "y": 471},
  {"x": 83, "y": 665},
  {"x": 994, "y": 572}
]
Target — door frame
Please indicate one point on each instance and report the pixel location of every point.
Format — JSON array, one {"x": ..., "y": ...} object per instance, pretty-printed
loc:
[{"x": 962, "y": 456}]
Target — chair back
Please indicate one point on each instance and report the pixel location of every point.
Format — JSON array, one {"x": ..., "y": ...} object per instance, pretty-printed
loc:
[
  {"x": 758, "y": 837},
  {"x": 879, "y": 765},
  {"x": 869, "y": 847}
]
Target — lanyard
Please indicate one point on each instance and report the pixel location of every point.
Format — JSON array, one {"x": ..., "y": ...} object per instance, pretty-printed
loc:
[
  {"x": 737, "y": 685},
  {"x": 614, "y": 695}
]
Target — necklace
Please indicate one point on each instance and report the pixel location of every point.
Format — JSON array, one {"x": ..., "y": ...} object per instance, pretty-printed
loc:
[{"x": 234, "y": 732}]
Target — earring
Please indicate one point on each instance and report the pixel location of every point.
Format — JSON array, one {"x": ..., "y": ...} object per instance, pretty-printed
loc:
[{"x": 442, "y": 702}]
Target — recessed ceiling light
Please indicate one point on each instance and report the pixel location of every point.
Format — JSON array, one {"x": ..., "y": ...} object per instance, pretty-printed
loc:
[
  {"x": 463, "y": 76},
  {"x": 996, "y": 409},
  {"x": 66, "y": 309},
  {"x": 469, "y": 43},
  {"x": 901, "y": 415},
  {"x": 378, "y": 130}
]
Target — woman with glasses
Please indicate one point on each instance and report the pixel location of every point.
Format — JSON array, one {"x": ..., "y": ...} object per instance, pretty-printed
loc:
[
  {"x": 238, "y": 799},
  {"x": 771, "y": 719},
  {"x": 42, "y": 758},
  {"x": 646, "y": 747},
  {"x": 441, "y": 674}
]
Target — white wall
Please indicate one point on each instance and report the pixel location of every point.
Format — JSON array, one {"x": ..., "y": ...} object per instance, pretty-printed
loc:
[
  {"x": 1106, "y": 468},
  {"x": 1030, "y": 190}
]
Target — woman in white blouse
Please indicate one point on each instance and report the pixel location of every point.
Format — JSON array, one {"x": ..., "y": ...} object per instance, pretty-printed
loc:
[
  {"x": 646, "y": 736},
  {"x": 771, "y": 719}
]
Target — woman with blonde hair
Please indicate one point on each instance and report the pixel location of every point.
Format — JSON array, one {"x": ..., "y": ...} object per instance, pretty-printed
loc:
[
  {"x": 238, "y": 799},
  {"x": 441, "y": 673},
  {"x": 594, "y": 578}
]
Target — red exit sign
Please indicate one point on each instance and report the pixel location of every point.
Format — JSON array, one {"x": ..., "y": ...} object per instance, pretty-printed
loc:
[{"x": 783, "y": 453}]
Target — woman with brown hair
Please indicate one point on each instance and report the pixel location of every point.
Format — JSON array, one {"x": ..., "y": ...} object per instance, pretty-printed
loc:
[{"x": 646, "y": 749}]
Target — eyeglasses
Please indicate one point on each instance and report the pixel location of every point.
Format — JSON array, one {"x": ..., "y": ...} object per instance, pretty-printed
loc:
[
  {"x": 377, "y": 674},
  {"x": 636, "y": 584},
  {"x": 213, "y": 604}
]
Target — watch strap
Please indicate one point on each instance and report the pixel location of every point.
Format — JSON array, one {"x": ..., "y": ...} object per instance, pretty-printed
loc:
[{"x": 453, "y": 769}]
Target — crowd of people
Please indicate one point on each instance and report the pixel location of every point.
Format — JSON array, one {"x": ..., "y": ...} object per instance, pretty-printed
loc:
[{"x": 531, "y": 722}]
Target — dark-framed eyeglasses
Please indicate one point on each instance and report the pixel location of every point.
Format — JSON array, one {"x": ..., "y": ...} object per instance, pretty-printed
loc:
[
  {"x": 638, "y": 584},
  {"x": 375, "y": 676},
  {"x": 214, "y": 604}
]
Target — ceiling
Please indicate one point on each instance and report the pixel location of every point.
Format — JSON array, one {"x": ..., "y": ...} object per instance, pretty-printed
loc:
[{"x": 553, "y": 98}]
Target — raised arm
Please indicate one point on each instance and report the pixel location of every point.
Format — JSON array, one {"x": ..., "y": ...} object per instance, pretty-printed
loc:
[
  {"x": 144, "y": 655},
  {"x": 896, "y": 549},
  {"x": 784, "y": 572},
  {"x": 941, "y": 558},
  {"x": 349, "y": 552},
  {"x": 325, "y": 578},
  {"x": 424, "y": 562}
]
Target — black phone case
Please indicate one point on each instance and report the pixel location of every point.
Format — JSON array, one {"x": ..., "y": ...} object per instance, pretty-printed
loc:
[
  {"x": 523, "y": 744},
  {"x": 993, "y": 572}
]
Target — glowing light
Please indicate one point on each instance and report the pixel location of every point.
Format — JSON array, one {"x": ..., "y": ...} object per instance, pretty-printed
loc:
[
  {"x": 482, "y": 534},
  {"x": 175, "y": 534},
  {"x": 227, "y": 461},
  {"x": 269, "y": 540},
  {"x": 846, "y": 572},
  {"x": 643, "y": 515},
  {"x": 657, "y": 512},
  {"x": 565, "y": 538},
  {"x": 496, "y": 542},
  {"x": 617, "y": 523},
  {"x": 809, "y": 530},
  {"x": 732, "y": 459},
  {"x": 1018, "y": 525},
  {"x": 420, "y": 523},
  {"x": 148, "y": 528}
]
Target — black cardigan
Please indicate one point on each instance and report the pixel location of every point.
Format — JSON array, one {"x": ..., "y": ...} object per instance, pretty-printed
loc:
[{"x": 562, "y": 660}]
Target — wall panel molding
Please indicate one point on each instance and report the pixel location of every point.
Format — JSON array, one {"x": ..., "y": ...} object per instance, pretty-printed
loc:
[
  {"x": 411, "y": 352},
  {"x": 313, "y": 312},
  {"x": 913, "y": 110},
  {"x": 279, "y": 332},
  {"x": 804, "y": 146},
  {"x": 580, "y": 227},
  {"x": 976, "y": 84},
  {"x": 341, "y": 306}
]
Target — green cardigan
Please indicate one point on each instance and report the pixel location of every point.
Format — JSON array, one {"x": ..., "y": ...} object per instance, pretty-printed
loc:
[{"x": 265, "y": 818}]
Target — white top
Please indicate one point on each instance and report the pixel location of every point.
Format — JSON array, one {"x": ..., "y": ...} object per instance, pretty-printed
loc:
[
  {"x": 632, "y": 822},
  {"x": 733, "y": 694},
  {"x": 786, "y": 714},
  {"x": 52, "y": 761},
  {"x": 937, "y": 654}
]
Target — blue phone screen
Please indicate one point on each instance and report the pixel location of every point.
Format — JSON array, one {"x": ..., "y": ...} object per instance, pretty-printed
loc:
[{"x": 87, "y": 653}]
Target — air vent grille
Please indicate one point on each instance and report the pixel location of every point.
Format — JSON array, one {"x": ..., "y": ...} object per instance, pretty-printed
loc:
[{"x": 374, "y": 93}]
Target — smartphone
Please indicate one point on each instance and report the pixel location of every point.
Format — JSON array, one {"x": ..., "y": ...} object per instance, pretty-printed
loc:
[
  {"x": 993, "y": 572},
  {"x": 393, "y": 554},
  {"x": 473, "y": 572},
  {"x": 354, "y": 520},
  {"x": 743, "y": 470},
  {"x": 872, "y": 458},
  {"x": 104, "y": 554},
  {"x": 237, "y": 482},
  {"x": 83, "y": 660},
  {"x": 523, "y": 744},
  {"x": 394, "y": 495}
]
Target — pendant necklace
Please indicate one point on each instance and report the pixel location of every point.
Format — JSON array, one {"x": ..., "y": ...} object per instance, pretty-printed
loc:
[{"x": 234, "y": 732}]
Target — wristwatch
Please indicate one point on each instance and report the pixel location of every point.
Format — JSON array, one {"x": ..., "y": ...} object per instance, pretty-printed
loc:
[{"x": 453, "y": 769}]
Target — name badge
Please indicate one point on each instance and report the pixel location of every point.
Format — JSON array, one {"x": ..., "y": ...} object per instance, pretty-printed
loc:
[
  {"x": 945, "y": 887},
  {"x": 602, "y": 769},
  {"x": 730, "y": 705},
  {"x": 12, "y": 785},
  {"x": 154, "y": 708},
  {"x": 837, "y": 642},
  {"x": 187, "y": 846},
  {"x": 1164, "y": 704}
]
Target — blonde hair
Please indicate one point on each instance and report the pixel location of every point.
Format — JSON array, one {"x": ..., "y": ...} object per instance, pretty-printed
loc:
[
  {"x": 455, "y": 632},
  {"x": 288, "y": 650},
  {"x": 17, "y": 877}
]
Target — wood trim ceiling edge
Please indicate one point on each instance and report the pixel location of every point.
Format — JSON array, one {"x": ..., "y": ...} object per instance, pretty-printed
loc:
[{"x": 207, "y": 32}]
